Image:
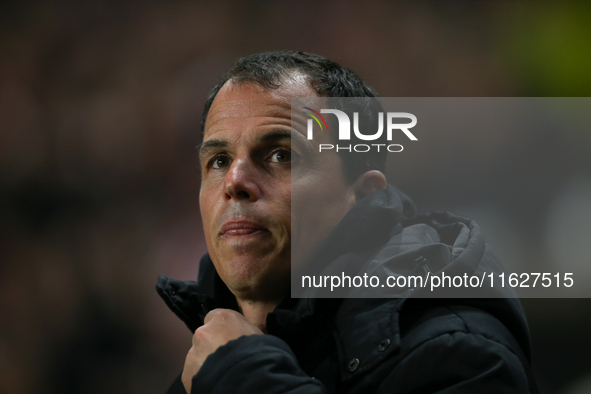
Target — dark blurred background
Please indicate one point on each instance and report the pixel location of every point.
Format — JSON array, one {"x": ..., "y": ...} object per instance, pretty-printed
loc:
[{"x": 100, "y": 105}]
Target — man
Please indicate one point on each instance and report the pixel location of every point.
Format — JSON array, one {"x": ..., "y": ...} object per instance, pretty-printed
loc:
[{"x": 249, "y": 334}]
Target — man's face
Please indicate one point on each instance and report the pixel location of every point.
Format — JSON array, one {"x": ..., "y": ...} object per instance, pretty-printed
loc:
[{"x": 253, "y": 162}]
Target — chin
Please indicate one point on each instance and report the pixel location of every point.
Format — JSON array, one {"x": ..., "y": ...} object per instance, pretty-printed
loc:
[{"x": 246, "y": 274}]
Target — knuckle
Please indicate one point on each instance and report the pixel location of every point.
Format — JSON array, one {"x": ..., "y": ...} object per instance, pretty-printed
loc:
[
  {"x": 219, "y": 314},
  {"x": 199, "y": 335}
]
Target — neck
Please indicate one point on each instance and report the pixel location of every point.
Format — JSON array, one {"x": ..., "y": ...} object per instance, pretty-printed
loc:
[{"x": 256, "y": 311}]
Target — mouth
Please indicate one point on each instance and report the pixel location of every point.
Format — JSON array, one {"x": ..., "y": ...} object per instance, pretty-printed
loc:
[{"x": 242, "y": 228}]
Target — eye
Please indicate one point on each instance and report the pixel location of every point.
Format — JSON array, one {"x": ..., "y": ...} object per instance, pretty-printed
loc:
[
  {"x": 219, "y": 162},
  {"x": 281, "y": 156}
]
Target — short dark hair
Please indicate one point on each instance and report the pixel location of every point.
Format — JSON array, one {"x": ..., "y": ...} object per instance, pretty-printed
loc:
[{"x": 327, "y": 78}]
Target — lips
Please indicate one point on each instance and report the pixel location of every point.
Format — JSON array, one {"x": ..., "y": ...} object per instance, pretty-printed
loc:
[{"x": 242, "y": 228}]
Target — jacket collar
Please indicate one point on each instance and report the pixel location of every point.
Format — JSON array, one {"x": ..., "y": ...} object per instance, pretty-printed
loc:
[{"x": 191, "y": 301}]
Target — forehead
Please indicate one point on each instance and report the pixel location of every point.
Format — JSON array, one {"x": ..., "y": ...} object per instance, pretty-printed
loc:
[{"x": 243, "y": 104}]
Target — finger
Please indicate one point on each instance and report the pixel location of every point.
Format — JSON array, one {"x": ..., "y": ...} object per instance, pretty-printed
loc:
[{"x": 190, "y": 369}]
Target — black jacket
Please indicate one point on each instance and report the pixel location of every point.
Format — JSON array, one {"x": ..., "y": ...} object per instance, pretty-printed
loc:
[{"x": 371, "y": 345}]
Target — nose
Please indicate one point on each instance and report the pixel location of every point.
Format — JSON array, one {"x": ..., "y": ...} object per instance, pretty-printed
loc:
[{"x": 242, "y": 181}]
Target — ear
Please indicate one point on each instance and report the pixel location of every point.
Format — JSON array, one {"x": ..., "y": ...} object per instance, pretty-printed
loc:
[{"x": 368, "y": 183}]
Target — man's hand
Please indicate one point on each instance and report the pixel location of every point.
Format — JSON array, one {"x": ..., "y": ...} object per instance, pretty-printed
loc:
[{"x": 220, "y": 326}]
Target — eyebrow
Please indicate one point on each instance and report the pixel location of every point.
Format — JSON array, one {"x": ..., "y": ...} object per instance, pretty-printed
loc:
[
  {"x": 275, "y": 135},
  {"x": 271, "y": 136},
  {"x": 279, "y": 135},
  {"x": 211, "y": 145}
]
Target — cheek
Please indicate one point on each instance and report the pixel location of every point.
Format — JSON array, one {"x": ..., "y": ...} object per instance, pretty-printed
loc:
[
  {"x": 203, "y": 207},
  {"x": 311, "y": 220},
  {"x": 281, "y": 214},
  {"x": 319, "y": 203},
  {"x": 277, "y": 201},
  {"x": 207, "y": 208}
]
